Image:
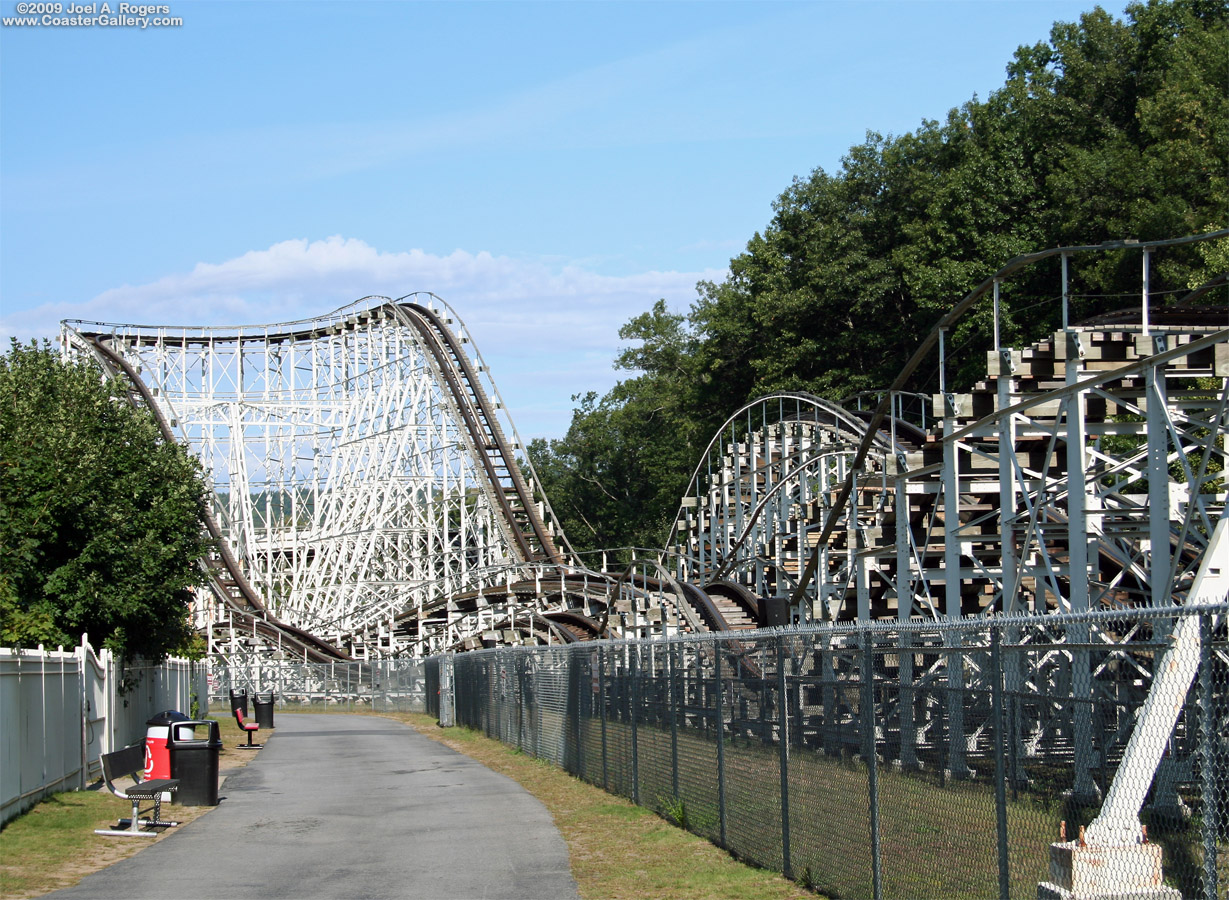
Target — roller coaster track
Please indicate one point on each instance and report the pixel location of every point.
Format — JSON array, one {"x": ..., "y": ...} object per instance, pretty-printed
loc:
[
  {"x": 584, "y": 605},
  {"x": 520, "y": 515}
]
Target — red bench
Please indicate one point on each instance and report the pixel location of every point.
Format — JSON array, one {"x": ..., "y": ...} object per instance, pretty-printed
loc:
[{"x": 248, "y": 727}]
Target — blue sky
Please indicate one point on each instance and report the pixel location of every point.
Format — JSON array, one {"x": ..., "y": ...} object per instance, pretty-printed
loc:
[{"x": 548, "y": 169}]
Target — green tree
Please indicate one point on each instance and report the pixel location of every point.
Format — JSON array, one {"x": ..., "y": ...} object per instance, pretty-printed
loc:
[{"x": 100, "y": 518}]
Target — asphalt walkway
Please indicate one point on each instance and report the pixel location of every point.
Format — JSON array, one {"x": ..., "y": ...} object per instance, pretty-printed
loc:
[{"x": 352, "y": 806}]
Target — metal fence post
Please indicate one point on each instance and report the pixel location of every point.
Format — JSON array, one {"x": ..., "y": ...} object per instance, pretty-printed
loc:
[
  {"x": 601, "y": 696},
  {"x": 634, "y": 670},
  {"x": 942, "y": 716},
  {"x": 674, "y": 722},
  {"x": 1211, "y": 817},
  {"x": 496, "y": 664},
  {"x": 584, "y": 689},
  {"x": 831, "y": 736},
  {"x": 867, "y": 716},
  {"x": 1011, "y": 673},
  {"x": 720, "y": 743},
  {"x": 1000, "y": 788},
  {"x": 518, "y": 697},
  {"x": 446, "y": 691},
  {"x": 783, "y": 744}
]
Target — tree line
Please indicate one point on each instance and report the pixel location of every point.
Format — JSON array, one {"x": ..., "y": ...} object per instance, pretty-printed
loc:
[{"x": 1112, "y": 129}]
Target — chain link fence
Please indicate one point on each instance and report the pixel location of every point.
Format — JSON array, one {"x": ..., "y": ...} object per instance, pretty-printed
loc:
[{"x": 911, "y": 760}]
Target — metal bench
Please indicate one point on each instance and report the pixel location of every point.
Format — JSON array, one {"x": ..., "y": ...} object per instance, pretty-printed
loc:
[{"x": 131, "y": 761}]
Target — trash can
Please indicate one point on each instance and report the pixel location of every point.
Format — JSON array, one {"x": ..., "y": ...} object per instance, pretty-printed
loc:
[
  {"x": 157, "y": 731},
  {"x": 264, "y": 709},
  {"x": 239, "y": 701},
  {"x": 194, "y": 747}
]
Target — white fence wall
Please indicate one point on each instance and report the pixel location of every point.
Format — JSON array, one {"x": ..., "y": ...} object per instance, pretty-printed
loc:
[{"x": 60, "y": 711}]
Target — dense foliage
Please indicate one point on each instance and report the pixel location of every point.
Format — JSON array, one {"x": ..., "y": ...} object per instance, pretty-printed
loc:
[
  {"x": 100, "y": 518},
  {"x": 1112, "y": 129}
]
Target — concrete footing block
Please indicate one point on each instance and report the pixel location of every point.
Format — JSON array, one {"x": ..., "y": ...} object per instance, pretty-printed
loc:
[{"x": 1113, "y": 872}]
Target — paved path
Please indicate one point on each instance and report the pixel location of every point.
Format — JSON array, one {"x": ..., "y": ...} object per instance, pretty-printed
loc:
[{"x": 352, "y": 806}]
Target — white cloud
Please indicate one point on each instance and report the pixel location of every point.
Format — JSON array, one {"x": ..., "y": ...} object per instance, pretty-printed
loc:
[{"x": 552, "y": 328}]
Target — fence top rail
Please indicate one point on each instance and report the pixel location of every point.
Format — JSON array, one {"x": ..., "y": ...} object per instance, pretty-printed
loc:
[
  {"x": 171, "y": 662},
  {"x": 971, "y": 624},
  {"x": 22, "y": 653}
]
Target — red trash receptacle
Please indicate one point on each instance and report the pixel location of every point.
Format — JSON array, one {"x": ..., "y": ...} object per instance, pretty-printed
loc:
[{"x": 157, "y": 732}]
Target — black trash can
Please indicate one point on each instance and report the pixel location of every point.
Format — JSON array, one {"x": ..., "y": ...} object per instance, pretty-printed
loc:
[
  {"x": 194, "y": 747},
  {"x": 264, "y": 709},
  {"x": 239, "y": 701}
]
